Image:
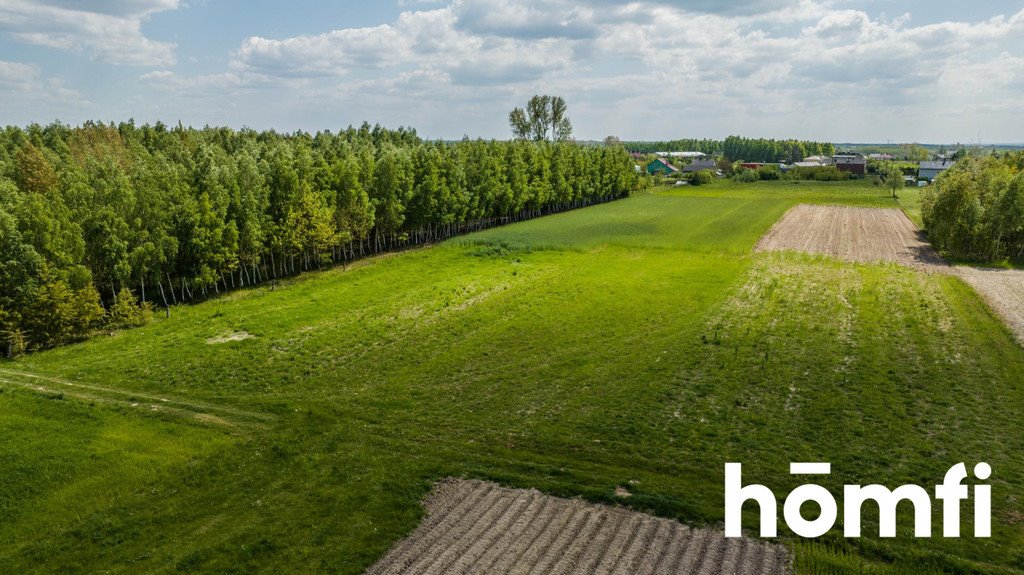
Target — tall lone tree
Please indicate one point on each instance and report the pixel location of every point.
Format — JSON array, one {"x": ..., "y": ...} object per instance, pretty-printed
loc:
[{"x": 543, "y": 119}]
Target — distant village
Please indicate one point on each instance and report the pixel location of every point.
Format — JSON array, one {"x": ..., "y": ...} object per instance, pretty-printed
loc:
[{"x": 851, "y": 164}]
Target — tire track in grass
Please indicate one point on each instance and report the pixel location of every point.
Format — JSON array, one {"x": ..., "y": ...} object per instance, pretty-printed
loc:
[{"x": 203, "y": 412}]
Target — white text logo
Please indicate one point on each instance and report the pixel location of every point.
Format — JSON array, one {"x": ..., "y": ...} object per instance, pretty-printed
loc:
[{"x": 951, "y": 492}]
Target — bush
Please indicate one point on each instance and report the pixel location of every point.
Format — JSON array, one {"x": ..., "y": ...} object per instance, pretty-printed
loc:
[
  {"x": 747, "y": 176},
  {"x": 769, "y": 172},
  {"x": 127, "y": 312},
  {"x": 58, "y": 314},
  {"x": 818, "y": 174},
  {"x": 702, "y": 177}
]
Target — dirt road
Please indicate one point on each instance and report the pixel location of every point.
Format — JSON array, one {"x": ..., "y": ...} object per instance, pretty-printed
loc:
[{"x": 480, "y": 528}]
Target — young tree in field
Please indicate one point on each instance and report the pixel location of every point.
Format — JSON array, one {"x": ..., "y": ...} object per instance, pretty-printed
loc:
[{"x": 894, "y": 180}]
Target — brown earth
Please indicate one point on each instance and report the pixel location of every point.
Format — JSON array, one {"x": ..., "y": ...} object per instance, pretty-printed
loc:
[
  {"x": 1003, "y": 290},
  {"x": 877, "y": 234},
  {"x": 473, "y": 527},
  {"x": 853, "y": 234}
]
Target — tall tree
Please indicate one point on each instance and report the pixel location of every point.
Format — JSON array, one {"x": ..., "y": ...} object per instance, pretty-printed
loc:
[{"x": 544, "y": 118}]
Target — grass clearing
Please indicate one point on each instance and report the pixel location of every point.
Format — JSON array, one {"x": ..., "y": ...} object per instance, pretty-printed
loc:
[{"x": 637, "y": 343}]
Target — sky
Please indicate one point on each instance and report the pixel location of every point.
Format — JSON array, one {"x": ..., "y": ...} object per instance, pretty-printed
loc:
[{"x": 930, "y": 71}]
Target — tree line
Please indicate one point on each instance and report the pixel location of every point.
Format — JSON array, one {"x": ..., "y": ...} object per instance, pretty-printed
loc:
[
  {"x": 98, "y": 222},
  {"x": 737, "y": 148},
  {"x": 975, "y": 210}
]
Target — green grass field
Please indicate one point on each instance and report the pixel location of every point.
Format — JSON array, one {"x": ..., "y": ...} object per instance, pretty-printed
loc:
[{"x": 639, "y": 342}]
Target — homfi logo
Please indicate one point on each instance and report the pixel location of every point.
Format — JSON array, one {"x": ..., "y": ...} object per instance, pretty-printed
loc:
[{"x": 950, "y": 492}]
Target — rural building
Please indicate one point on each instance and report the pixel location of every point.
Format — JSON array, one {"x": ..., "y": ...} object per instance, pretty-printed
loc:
[
  {"x": 684, "y": 155},
  {"x": 698, "y": 165},
  {"x": 660, "y": 166},
  {"x": 880, "y": 157},
  {"x": 931, "y": 170},
  {"x": 818, "y": 160},
  {"x": 856, "y": 164},
  {"x": 752, "y": 165}
]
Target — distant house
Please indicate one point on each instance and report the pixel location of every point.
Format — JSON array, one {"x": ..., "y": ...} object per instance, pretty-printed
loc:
[
  {"x": 880, "y": 157},
  {"x": 856, "y": 164},
  {"x": 660, "y": 166},
  {"x": 818, "y": 160},
  {"x": 684, "y": 155},
  {"x": 931, "y": 170},
  {"x": 752, "y": 165},
  {"x": 698, "y": 165}
]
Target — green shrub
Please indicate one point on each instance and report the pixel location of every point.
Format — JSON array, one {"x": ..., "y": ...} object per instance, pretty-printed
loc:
[
  {"x": 769, "y": 172},
  {"x": 818, "y": 174},
  {"x": 701, "y": 177},
  {"x": 747, "y": 176},
  {"x": 127, "y": 312}
]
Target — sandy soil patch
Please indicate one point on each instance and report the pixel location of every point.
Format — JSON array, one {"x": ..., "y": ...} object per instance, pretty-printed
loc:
[
  {"x": 481, "y": 528},
  {"x": 1003, "y": 290},
  {"x": 852, "y": 234},
  {"x": 886, "y": 234},
  {"x": 233, "y": 336}
]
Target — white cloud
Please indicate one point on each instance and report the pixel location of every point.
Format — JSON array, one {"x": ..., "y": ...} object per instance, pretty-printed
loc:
[
  {"x": 425, "y": 41},
  {"x": 108, "y": 30},
  {"x": 803, "y": 68},
  {"x": 24, "y": 89}
]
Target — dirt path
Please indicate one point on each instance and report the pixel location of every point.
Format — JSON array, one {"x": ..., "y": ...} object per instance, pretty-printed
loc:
[
  {"x": 473, "y": 527},
  {"x": 886, "y": 234},
  {"x": 207, "y": 413}
]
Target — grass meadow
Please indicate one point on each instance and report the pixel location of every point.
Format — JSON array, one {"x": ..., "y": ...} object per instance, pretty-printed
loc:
[{"x": 638, "y": 343}]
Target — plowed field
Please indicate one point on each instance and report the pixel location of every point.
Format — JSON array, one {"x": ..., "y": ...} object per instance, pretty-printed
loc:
[{"x": 478, "y": 527}]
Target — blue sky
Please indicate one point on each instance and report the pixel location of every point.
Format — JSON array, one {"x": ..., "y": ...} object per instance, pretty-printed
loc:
[{"x": 835, "y": 70}]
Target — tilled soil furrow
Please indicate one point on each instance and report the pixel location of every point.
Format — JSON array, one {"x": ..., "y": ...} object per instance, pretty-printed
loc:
[
  {"x": 446, "y": 506},
  {"x": 461, "y": 536},
  {"x": 698, "y": 545},
  {"x": 677, "y": 541},
  {"x": 505, "y": 521},
  {"x": 629, "y": 560},
  {"x": 572, "y": 533},
  {"x": 656, "y": 550},
  {"x": 482, "y": 529},
  {"x": 508, "y": 545},
  {"x": 582, "y": 546},
  {"x": 711, "y": 562},
  {"x": 545, "y": 543},
  {"x": 620, "y": 536},
  {"x": 773, "y": 560},
  {"x": 521, "y": 543},
  {"x": 735, "y": 549}
]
